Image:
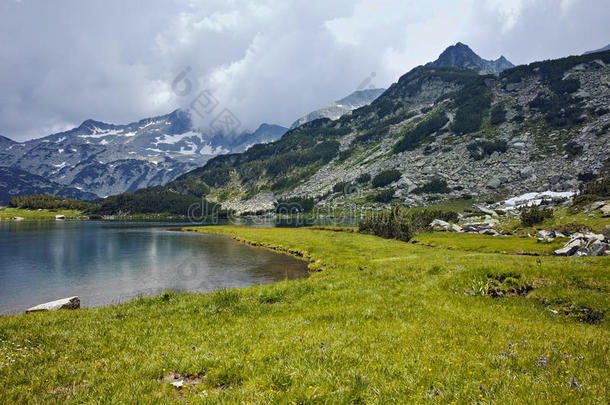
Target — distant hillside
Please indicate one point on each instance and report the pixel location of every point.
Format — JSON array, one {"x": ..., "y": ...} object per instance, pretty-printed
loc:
[
  {"x": 605, "y": 48},
  {"x": 460, "y": 55},
  {"x": 335, "y": 110},
  {"x": 16, "y": 182}
]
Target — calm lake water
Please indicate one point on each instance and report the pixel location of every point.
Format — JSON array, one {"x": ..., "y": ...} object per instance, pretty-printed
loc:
[{"x": 109, "y": 262}]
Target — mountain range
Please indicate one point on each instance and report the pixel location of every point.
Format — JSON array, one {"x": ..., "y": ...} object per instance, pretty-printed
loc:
[
  {"x": 460, "y": 124},
  {"x": 438, "y": 133},
  {"x": 102, "y": 159}
]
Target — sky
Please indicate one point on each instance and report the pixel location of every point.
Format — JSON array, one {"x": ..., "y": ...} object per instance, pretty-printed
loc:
[{"x": 119, "y": 61}]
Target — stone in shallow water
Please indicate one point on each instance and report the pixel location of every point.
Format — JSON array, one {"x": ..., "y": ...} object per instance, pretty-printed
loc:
[{"x": 64, "y": 303}]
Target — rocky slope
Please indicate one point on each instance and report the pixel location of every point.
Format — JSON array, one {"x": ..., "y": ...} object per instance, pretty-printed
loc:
[
  {"x": 338, "y": 108},
  {"x": 447, "y": 132},
  {"x": 15, "y": 182},
  {"x": 106, "y": 159},
  {"x": 460, "y": 55}
]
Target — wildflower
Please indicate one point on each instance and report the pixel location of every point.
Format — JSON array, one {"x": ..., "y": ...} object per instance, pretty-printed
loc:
[
  {"x": 193, "y": 347},
  {"x": 480, "y": 387},
  {"x": 162, "y": 353}
]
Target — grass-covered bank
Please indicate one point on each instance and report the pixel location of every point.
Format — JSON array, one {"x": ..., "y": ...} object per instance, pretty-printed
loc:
[
  {"x": 384, "y": 321},
  {"x": 8, "y": 213}
]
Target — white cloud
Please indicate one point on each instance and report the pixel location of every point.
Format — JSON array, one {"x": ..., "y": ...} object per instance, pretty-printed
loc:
[{"x": 272, "y": 61}]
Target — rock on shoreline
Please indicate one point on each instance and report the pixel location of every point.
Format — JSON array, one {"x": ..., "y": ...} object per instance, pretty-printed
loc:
[{"x": 64, "y": 303}]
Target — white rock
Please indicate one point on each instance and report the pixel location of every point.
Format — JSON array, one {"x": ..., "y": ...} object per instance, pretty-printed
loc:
[
  {"x": 178, "y": 384},
  {"x": 566, "y": 251},
  {"x": 59, "y": 217},
  {"x": 456, "y": 228},
  {"x": 64, "y": 303},
  {"x": 440, "y": 223}
]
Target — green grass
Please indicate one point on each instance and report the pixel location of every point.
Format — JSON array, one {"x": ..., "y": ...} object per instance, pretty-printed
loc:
[
  {"x": 489, "y": 244},
  {"x": 564, "y": 220},
  {"x": 7, "y": 214},
  {"x": 383, "y": 322}
]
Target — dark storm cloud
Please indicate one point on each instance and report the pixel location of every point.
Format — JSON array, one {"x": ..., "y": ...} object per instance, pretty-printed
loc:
[{"x": 62, "y": 61}]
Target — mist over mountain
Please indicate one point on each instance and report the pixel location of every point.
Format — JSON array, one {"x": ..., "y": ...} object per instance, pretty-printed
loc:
[{"x": 336, "y": 109}]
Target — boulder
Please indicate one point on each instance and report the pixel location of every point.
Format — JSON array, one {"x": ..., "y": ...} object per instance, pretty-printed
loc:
[
  {"x": 606, "y": 231},
  {"x": 545, "y": 235},
  {"x": 526, "y": 172},
  {"x": 496, "y": 182},
  {"x": 59, "y": 217},
  {"x": 17, "y": 218},
  {"x": 566, "y": 251},
  {"x": 605, "y": 210},
  {"x": 64, "y": 303},
  {"x": 597, "y": 248}
]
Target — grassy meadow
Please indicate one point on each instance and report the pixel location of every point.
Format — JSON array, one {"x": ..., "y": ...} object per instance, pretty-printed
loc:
[
  {"x": 8, "y": 213},
  {"x": 378, "y": 321}
]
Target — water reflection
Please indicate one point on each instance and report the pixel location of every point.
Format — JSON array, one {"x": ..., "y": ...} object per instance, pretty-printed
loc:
[{"x": 106, "y": 262}]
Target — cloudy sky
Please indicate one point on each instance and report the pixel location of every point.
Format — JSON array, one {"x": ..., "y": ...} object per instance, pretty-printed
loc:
[{"x": 64, "y": 61}]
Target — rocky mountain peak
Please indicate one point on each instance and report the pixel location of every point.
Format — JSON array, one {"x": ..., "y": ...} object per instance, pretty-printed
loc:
[{"x": 460, "y": 55}]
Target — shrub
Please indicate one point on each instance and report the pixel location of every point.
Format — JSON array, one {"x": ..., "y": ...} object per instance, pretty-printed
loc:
[
  {"x": 438, "y": 186},
  {"x": 344, "y": 187},
  {"x": 480, "y": 149},
  {"x": 363, "y": 178},
  {"x": 294, "y": 205},
  {"x": 535, "y": 215},
  {"x": 473, "y": 101},
  {"x": 384, "y": 196},
  {"x": 402, "y": 224},
  {"x": 498, "y": 114},
  {"x": 44, "y": 201},
  {"x": 386, "y": 177},
  {"x": 573, "y": 148},
  {"x": 414, "y": 137}
]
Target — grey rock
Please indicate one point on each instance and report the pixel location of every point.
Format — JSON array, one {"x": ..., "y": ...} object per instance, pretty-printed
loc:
[
  {"x": 597, "y": 248},
  {"x": 606, "y": 231},
  {"x": 64, "y": 303},
  {"x": 496, "y": 182},
  {"x": 527, "y": 172},
  {"x": 605, "y": 210}
]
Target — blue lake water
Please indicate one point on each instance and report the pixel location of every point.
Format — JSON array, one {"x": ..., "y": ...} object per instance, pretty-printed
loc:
[{"x": 109, "y": 262}]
